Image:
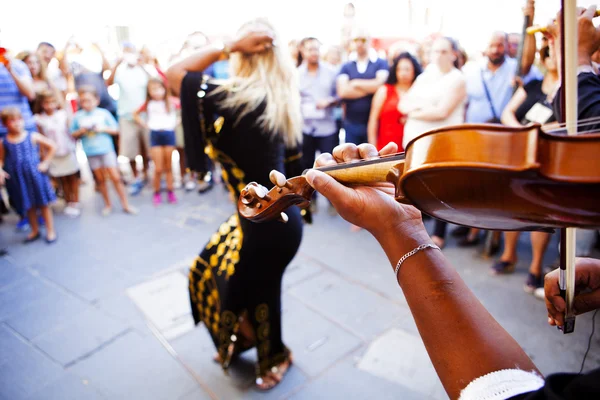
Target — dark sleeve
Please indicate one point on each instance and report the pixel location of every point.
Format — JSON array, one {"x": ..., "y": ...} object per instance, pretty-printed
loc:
[
  {"x": 294, "y": 166},
  {"x": 588, "y": 100},
  {"x": 567, "y": 387},
  {"x": 194, "y": 138},
  {"x": 293, "y": 161}
]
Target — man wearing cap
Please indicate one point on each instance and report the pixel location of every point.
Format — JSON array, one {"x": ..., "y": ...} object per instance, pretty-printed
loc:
[{"x": 357, "y": 81}]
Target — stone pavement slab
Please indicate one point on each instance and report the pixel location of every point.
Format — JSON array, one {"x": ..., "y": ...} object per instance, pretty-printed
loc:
[
  {"x": 316, "y": 341},
  {"x": 27, "y": 292},
  {"x": 86, "y": 332},
  {"x": 68, "y": 387},
  {"x": 10, "y": 274},
  {"x": 137, "y": 367},
  {"x": 45, "y": 316},
  {"x": 23, "y": 369},
  {"x": 345, "y": 381},
  {"x": 337, "y": 298},
  {"x": 166, "y": 304},
  {"x": 401, "y": 357}
]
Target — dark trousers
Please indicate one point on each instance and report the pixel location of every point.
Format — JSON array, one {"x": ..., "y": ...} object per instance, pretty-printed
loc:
[
  {"x": 439, "y": 229},
  {"x": 310, "y": 145},
  {"x": 355, "y": 133}
]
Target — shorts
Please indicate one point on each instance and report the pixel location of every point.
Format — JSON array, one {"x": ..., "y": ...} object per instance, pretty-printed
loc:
[
  {"x": 162, "y": 138},
  {"x": 108, "y": 160},
  {"x": 63, "y": 166},
  {"x": 131, "y": 139}
]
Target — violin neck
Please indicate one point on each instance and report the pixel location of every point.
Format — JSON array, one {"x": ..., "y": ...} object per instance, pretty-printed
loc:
[{"x": 365, "y": 172}]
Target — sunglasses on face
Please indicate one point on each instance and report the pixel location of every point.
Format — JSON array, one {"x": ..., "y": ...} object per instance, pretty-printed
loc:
[{"x": 360, "y": 40}]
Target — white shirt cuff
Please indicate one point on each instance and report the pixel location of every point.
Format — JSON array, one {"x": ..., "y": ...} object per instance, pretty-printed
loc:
[{"x": 500, "y": 385}]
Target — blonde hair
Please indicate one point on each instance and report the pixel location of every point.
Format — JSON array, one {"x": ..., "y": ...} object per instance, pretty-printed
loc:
[{"x": 267, "y": 78}]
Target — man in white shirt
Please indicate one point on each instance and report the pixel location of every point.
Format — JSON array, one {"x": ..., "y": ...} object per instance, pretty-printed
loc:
[{"x": 132, "y": 79}]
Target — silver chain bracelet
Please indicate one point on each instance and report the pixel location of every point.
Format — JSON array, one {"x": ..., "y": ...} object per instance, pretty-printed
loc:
[{"x": 412, "y": 253}]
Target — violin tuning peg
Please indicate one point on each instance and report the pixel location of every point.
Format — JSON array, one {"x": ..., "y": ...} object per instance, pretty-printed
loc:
[
  {"x": 283, "y": 218},
  {"x": 260, "y": 192},
  {"x": 278, "y": 179}
]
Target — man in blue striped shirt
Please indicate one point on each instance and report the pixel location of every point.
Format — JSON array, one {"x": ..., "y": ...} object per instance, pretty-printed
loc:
[{"x": 16, "y": 88}]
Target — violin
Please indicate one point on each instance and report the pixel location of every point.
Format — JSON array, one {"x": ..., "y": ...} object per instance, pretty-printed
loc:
[{"x": 485, "y": 176}]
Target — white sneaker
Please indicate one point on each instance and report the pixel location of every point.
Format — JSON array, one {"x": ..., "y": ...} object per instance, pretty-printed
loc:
[
  {"x": 539, "y": 294},
  {"x": 71, "y": 211},
  {"x": 190, "y": 185}
]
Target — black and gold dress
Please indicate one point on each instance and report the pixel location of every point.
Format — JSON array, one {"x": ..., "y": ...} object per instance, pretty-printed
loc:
[{"x": 239, "y": 272}]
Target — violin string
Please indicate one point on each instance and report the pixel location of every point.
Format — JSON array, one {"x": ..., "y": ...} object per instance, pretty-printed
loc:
[
  {"x": 585, "y": 121},
  {"x": 579, "y": 132}
]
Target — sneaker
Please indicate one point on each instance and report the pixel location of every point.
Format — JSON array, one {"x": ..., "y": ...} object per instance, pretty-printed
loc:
[
  {"x": 71, "y": 211},
  {"x": 23, "y": 225},
  {"x": 190, "y": 185},
  {"x": 156, "y": 200},
  {"x": 532, "y": 283},
  {"x": 136, "y": 187},
  {"x": 172, "y": 198},
  {"x": 205, "y": 186},
  {"x": 106, "y": 211},
  {"x": 539, "y": 294},
  {"x": 131, "y": 210}
]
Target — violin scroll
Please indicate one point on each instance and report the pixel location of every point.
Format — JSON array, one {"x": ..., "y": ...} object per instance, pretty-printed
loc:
[{"x": 258, "y": 204}]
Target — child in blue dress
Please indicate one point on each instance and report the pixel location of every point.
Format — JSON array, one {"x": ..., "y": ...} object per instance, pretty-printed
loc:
[{"x": 24, "y": 173}]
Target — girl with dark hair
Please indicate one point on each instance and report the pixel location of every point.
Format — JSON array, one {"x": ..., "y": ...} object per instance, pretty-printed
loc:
[{"x": 386, "y": 122}]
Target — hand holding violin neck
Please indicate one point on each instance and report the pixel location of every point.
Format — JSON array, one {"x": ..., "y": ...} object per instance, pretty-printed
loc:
[{"x": 366, "y": 172}]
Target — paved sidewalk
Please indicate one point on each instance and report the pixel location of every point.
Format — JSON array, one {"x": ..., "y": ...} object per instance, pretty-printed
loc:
[{"x": 103, "y": 313}]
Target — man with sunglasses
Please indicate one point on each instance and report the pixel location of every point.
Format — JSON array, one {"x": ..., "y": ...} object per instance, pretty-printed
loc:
[{"x": 357, "y": 81}]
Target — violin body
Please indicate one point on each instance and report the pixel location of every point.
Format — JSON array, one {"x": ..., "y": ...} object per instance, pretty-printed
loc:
[{"x": 501, "y": 178}]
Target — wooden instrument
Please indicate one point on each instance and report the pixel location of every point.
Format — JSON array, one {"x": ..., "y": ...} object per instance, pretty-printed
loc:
[
  {"x": 542, "y": 29},
  {"x": 480, "y": 175}
]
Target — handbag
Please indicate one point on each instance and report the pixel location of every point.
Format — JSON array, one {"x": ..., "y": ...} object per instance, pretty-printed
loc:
[{"x": 495, "y": 119}]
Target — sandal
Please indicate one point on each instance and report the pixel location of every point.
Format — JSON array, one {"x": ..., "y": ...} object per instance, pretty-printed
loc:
[
  {"x": 30, "y": 239},
  {"x": 502, "y": 267},
  {"x": 273, "y": 377}
]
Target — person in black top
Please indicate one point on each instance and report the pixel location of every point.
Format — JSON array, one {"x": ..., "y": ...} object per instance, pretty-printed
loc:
[
  {"x": 588, "y": 82},
  {"x": 250, "y": 124},
  {"x": 530, "y": 103}
]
